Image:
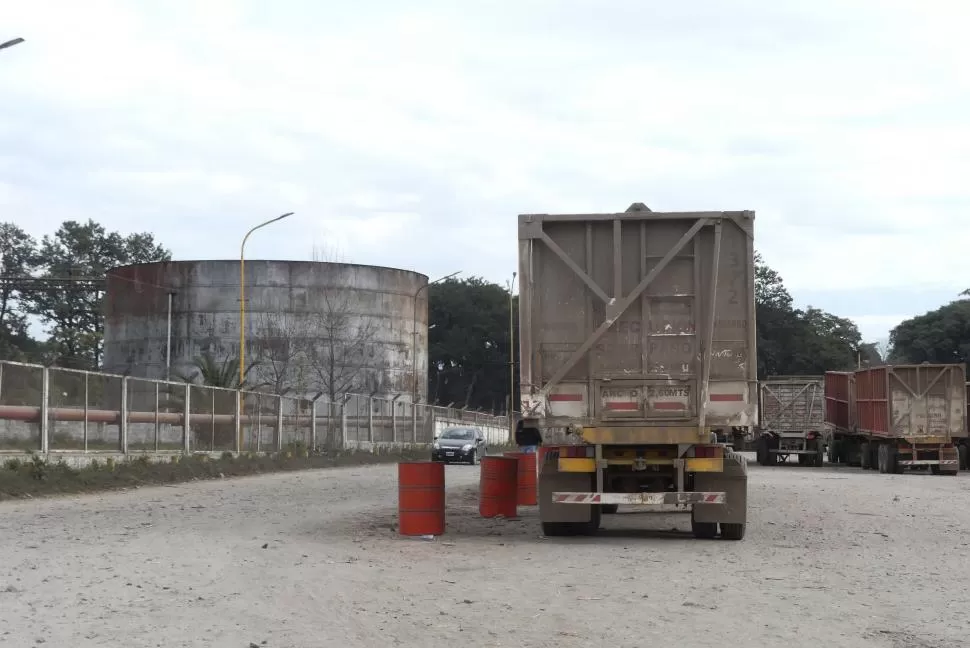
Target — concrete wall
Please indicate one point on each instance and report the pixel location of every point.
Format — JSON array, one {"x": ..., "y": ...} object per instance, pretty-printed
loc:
[{"x": 293, "y": 310}]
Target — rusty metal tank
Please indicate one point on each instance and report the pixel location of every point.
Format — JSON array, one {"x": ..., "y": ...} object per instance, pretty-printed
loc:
[{"x": 311, "y": 327}]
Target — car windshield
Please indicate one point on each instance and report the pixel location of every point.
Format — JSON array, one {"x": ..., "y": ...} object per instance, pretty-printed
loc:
[{"x": 467, "y": 435}]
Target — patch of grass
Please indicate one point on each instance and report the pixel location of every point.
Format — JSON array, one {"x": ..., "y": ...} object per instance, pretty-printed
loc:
[{"x": 38, "y": 477}]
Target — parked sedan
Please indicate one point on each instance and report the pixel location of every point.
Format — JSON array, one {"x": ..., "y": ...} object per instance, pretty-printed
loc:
[{"x": 459, "y": 444}]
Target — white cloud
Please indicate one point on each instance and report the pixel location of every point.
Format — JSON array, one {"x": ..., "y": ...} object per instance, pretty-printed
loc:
[{"x": 412, "y": 134}]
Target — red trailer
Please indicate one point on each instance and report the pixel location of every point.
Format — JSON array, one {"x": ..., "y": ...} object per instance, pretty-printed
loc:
[
  {"x": 911, "y": 416},
  {"x": 843, "y": 439}
]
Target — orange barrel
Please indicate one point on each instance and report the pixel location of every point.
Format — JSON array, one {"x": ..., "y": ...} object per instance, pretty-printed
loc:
[
  {"x": 498, "y": 487},
  {"x": 526, "y": 478},
  {"x": 421, "y": 498}
]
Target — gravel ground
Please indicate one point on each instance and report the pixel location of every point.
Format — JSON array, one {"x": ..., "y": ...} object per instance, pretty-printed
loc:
[{"x": 833, "y": 557}]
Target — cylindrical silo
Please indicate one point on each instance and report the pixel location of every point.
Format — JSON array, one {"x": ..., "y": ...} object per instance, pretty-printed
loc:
[{"x": 311, "y": 327}]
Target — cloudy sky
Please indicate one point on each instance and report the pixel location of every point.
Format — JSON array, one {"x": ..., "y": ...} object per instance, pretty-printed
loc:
[{"x": 410, "y": 134}]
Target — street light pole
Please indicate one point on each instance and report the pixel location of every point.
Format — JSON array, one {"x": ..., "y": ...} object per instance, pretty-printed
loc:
[
  {"x": 511, "y": 358},
  {"x": 414, "y": 335},
  {"x": 242, "y": 295},
  {"x": 11, "y": 43}
]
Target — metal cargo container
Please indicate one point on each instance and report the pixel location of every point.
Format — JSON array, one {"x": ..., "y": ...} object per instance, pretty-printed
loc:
[
  {"x": 638, "y": 354},
  {"x": 921, "y": 403},
  {"x": 792, "y": 404},
  {"x": 792, "y": 419},
  {"x": 840, "y": 409},
  {"x": 637, "y": 319}
]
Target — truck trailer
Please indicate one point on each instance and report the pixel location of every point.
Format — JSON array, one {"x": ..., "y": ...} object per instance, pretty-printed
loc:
[
  {"x": 791, "y": 414},
  {"x": 906, "y": 416},
  {"x": 638, "y": 353}
]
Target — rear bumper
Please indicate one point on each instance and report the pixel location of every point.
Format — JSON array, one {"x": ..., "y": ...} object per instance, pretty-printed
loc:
[
  {"x": 640, "y": 498},
  {"x": 451, "y": 454}
]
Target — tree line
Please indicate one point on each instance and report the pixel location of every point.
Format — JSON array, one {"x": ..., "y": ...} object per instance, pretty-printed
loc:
[
  {"x": 940, "y": 336},
  {"x": 59, "y": 281}
]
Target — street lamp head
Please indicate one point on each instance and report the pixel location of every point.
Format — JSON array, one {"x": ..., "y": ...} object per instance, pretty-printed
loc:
[
  {"x": 279, "y": 218},
  {"x": 11, "y": 43}
]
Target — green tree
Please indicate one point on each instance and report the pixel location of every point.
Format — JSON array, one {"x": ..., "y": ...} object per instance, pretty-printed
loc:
[
  {"x": 18, "y": 260},
  {"x": 468, "y": 360},
  {"x": 791, "y": 341},
  {"x": 73, "y": 315},
  {"x": 939, "y": 336}
]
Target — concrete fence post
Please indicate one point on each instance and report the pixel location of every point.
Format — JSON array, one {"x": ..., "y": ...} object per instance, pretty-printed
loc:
[
  {"x": 414, "y": 423},
  {"x": 279, "y": 424},
  {"x": 238, "y": 426},
  {"x": 343, "y": 424},
  {"x": 123, "y": 423},
  {"x": 45, "y": 398},
  {"x": 370, "y": 419},
  {"x": 313, "y": 424},
  {"x": 187, "y": 421},
  {"x": 393, "y": 422}
]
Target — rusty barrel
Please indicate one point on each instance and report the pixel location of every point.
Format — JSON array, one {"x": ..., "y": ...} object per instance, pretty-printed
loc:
[
  {"x": 498, "y": 488},
  {"x": 526, "y": 477},
  {"x": 421, "y": 498}
]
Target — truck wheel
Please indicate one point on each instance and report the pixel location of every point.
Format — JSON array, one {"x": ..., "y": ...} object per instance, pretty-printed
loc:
[
  {"x": 963, "y": 452},
  {"x": 882, "y": 458},
  {"x": 559, "y": 529},
  {"x": 732, "y": 531},
  {"x": 703, "y": 530},
  {"x": 864, "y": 456},
  {"x": 819, "y": 459},
  {"x": 762, "y": 451},
  {"x": 609, "y": 509}
]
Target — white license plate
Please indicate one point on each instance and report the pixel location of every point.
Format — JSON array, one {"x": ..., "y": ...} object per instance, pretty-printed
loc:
[{"x": 449, "y": 454}]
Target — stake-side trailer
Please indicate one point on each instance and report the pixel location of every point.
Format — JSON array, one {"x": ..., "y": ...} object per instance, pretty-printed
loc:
[
  {"x": 791, "y": 415},
  {"x": 638, "y": 351},
  {"x": 905, "y": 416}
]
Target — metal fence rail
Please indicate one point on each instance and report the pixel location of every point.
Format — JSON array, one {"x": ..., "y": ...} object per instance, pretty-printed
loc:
[{"x": 52, "y": 409}]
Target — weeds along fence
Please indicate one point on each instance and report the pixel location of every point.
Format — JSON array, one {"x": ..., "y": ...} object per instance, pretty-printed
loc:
[{"x": 52, "y": 409}]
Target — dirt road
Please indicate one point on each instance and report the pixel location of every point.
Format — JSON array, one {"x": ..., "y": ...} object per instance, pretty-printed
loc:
[{"x": 833, "y": 557}]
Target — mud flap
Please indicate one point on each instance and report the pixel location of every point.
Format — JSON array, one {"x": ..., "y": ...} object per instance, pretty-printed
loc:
[
  {"x": 734, "y": 482},
  {"x": 550, "y": 481}
]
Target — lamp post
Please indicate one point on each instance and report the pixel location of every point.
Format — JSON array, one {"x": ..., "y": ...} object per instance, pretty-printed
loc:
[
  {"x": 11, "y": 43},
  {"x": 242, "y": 295},
  {"x": 414, "y": 334},
  {"x": 511, "y": 358}
]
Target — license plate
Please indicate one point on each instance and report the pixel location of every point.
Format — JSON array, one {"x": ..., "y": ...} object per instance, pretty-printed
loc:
[{"x": 449, "y": 454}]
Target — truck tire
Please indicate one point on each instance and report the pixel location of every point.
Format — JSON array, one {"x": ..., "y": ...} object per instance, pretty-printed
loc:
[
  {"x": 962, "y": 450},
  {"x": 559, "y": 529},
  {"x": 864, "y": 456},
  {"x": 609, "y": 509},
  {"x": 732, "y": 531},
  {"x": 882, "y": 458},
  {"x": 762, "y": 451},
  {"x": 819, "y": 459}
]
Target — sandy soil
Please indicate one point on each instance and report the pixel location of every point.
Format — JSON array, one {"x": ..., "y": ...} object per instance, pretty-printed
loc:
[{"x": 833, "y": 557}]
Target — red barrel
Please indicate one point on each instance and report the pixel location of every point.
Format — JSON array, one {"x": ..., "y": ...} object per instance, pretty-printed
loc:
[
  {"x": 526, "y": 477},
  {"x": 498, "y": 487},
  {"x": 421, "y": 498}
]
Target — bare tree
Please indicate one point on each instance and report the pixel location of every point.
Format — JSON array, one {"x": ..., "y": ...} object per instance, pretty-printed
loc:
[
  {"x": 339, "y": 357},
  {"x": 283, "y": 341}
]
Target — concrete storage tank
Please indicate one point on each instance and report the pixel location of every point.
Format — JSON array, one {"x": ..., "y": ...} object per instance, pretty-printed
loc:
[{"x": 298, "y": 315}]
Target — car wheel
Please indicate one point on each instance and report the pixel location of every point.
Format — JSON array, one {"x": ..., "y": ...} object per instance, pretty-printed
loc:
[{"x": 474, "y": 459}]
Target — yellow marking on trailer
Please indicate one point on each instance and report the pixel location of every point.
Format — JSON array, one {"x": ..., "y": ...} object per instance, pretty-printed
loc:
[
  {"x": 577, "y": 464},
  {"x": 659, "y": 435},
  {"x": 712, "y": 464}
]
